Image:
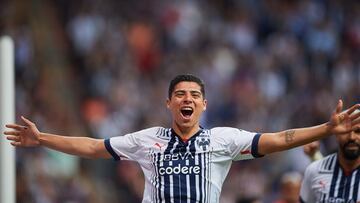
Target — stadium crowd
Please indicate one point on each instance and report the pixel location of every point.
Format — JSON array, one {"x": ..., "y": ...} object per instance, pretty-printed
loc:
[{"x": 101, "y": 69}]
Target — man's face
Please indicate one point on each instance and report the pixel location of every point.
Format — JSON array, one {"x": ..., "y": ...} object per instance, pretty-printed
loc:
[
  {"x": 349, "y": 144},
  {"x": 186, "y": 104}
]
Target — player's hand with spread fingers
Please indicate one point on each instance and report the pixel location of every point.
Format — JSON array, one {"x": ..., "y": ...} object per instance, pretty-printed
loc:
[
  {"x": 344, "y": 121},
  {"x": 23, "y": 136}
]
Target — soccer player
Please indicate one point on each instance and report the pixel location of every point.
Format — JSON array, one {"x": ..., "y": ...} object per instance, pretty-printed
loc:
[
  {"x": 184, "y": 163},
  {"x": 336, "y": 177}
]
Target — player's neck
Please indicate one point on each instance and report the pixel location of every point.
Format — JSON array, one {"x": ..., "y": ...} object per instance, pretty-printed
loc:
[
  {"x": 185, "y": 132},
  {"x": 349, "y": 165}
]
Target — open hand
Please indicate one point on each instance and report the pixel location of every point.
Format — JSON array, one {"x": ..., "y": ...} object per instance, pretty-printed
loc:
[
  {"x": 344, "y": 121},
  {"x": 23, "y": 136}
]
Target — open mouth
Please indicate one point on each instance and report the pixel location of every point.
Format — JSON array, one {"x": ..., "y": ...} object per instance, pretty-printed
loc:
[{"x": 186, "y": 112}]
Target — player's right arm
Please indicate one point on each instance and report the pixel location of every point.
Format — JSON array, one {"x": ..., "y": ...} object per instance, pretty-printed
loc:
[{"x": 30, "y": 136}]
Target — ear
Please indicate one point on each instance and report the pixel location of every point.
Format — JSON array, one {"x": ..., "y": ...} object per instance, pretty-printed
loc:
[
  {"x": 168, "y": 103},
  {"x": 205, "y": 104}
]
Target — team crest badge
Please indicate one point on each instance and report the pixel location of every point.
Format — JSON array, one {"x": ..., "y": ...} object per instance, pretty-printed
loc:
[{"x": 203, "y": 143}]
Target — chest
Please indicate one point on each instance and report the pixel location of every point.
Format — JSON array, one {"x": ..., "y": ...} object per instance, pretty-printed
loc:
[
  {"x": 334, "y": 186},
  {"x": 199, "y": 153}
]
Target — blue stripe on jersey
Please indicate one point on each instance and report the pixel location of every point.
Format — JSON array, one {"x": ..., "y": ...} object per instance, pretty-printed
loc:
[
  {"x": 334, "y": 179},
  {"x": 347, "y": 187},
  {"x": 167, "y": 185},
  {"x": 208, "y": 176},
  {"x": 356, "y": 185},
  {"x": 341, "y": 185},
  {"x": 201, "y": 185},
  {"x": 175, "y": 178},
  {"x": 179, "y": 180},
  {"x": 323, "y": 196},
  {"x": 326, "y": 163},
  {"x": 332, "y": 158},
  {"x": 182, "y": 179},
  {"x": 110, "y": 150},
  {"x": 192, "y": 177},
  {"x": 323, "y": 164},
  {"x": 254, "y": 146},
  {"x": 157, "y": 178}
]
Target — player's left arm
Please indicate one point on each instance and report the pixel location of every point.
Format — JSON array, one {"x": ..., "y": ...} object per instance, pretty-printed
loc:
[{"x": 340, "y": 122}]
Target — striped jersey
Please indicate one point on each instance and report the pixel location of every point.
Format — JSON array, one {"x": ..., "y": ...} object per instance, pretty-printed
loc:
[
  {"x": 184, "y": 172},
  {"x": 325, "y": 181}
]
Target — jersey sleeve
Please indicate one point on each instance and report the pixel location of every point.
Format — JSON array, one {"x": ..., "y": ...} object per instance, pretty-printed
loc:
[
  {"x": 127, "y": 147},
  {"x": 241, "y": 144},
  {"x": 306, "y": 192},
  {"x": 122, "y": 147}
]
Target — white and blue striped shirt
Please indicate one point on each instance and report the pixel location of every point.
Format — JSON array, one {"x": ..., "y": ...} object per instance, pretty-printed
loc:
[
  {"x": 325, "y": 182},
  {"x": 184, "y": 172}
]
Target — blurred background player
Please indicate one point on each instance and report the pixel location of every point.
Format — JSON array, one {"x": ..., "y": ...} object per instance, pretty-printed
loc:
[{"x": 290, "y": 184}]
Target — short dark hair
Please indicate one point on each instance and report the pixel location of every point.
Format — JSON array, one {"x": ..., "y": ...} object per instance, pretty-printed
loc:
[{"x": 186, "y": 78}]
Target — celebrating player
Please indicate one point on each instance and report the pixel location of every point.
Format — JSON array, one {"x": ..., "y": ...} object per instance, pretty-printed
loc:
[{"x": 185, "y": 163}]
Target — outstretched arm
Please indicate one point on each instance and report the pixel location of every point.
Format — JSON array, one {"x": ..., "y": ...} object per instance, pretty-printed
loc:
[
  {"x": 30, "y": 136},
  {"x": 340, "y": 122}
]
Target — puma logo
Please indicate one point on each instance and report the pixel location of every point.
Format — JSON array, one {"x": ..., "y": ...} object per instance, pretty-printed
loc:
[{"x": 159, "y": 145}]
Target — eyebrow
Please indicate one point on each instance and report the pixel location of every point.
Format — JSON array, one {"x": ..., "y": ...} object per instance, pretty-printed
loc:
[{"x": 191, "y": 91}]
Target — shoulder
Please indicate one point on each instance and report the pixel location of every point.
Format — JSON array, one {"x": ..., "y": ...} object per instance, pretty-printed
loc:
[
  {"x": 152, "y": 131},
  {"x": 314, "y": 165},
  {"x": 226, "y": 130},
  {"x": 230, "y": 132},
  {"x": 232, "y": 137},
  {"x": 324, "y": 164}
]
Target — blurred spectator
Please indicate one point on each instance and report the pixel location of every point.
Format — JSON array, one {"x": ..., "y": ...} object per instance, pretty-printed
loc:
[{"x": 290, "y": 184}]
